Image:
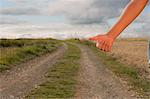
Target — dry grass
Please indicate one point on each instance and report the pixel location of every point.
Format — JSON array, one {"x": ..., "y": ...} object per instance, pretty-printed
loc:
[
  {"x": 129, "y": 73},
  {"x": 132, "y": 52}
]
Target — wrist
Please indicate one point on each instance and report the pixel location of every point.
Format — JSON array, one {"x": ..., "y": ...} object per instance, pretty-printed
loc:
[{"x": 111, "y": 36}]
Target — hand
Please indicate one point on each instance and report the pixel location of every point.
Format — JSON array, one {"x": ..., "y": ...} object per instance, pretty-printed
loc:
[{"x": 103, "y": 42}]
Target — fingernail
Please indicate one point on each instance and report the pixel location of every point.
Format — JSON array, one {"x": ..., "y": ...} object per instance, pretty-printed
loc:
[{"x": 97, "y": 44}]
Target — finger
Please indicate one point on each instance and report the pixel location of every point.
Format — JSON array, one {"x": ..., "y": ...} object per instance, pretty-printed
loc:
[
  {"x": 97, "y": 44},
  {"x": 101, "y": 45},
  {"x": 99, "y": 40},
  {"x": 95, "y": 38},
  {"x": 106, "y": 47},
  {"x": 92, "y": 38},
  {"x": 110, "y": 47}
]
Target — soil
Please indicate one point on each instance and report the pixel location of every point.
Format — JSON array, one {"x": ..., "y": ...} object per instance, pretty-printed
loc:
[
  {"x": 20, "y": 80},
  {"x": 97, "y": 82}
]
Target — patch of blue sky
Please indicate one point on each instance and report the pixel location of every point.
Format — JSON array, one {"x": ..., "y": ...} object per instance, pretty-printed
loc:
[
  {"x": 147, "y": 9},
  {"x": 38, "y": 19},
  {"x": 6, "y": 3}
]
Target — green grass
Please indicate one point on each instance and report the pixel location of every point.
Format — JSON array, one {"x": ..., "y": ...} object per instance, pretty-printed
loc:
[
  {"x": 24, "y": 42},
  {"x": 129, "y": 73},
  {"x": 14, "y": 54},
  {"x": 61, "y": 79}
]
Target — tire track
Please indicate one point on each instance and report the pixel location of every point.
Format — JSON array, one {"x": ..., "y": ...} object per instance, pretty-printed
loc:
[
  {"x": 96, "y": 81},
  {"x": 21, "y": 79}
]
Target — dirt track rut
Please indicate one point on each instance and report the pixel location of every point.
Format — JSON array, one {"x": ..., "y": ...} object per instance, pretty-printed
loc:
[
  {"x": 96, "y": 81},
  {"x": 23, "y": 78}
]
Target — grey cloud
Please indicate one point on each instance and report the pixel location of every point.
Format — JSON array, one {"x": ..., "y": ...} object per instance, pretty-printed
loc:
[
  {"x": 19, "y": 11},
  {"x": 76, "y": 11},
  {"x": 87, "y": 11},
  {"x": 144, "y": 20},
  {"x": 90, "y": 13},
  {"x": 109, "y": 9}
]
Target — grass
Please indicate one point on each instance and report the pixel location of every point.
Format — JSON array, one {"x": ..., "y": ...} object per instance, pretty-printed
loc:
[
  {"x": 129, "y": 73},
  {"x": 132, "y": 52},
  {"x": 24, "y": 42},
  {"x": 16, "y": 51},
  {"x": 61, "y": 79}
]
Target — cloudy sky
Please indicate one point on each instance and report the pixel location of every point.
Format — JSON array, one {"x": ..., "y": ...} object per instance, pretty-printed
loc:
[{"x": 66, "y": 18}]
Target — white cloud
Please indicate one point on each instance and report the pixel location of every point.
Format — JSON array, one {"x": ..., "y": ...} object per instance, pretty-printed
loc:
[
  {"x": 59, "y": 31},
  {"x": 87, "y": 11},
  {"x": 84, "y": 18}
]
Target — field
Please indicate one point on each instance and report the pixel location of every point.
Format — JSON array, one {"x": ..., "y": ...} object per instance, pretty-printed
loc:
[
  {"x": 132, "y": 52},
  {"x": 133, "y": 76},
  {"x": 15, "y": 51},
  {"x": 49, "y": 68}
]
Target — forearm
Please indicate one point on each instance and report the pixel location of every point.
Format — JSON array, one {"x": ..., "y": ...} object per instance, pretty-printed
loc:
[{"x": 133, "y": 9}]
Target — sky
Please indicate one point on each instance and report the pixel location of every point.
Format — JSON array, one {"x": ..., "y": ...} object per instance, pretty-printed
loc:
[{"x": 62, "y": 19}]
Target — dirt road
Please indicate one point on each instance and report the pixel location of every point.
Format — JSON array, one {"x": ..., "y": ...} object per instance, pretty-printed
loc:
[
  {"x": 96, "y": 81},
  {"x": 21, "y": 79}
]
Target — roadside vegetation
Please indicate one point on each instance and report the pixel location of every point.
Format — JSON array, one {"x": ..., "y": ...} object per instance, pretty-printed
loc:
[
  {"x": 15, "y": 51},
  {"x": 132, "y": 52},
  {"x": 61, "y": 79},
  {"x": 128, "y": 73}
]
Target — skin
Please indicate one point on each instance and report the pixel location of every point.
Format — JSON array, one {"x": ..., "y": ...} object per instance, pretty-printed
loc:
[{"x": 132, "y": 10}]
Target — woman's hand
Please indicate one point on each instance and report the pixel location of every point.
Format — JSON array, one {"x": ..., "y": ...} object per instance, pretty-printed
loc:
[
  {"x": 103, "y": 42},
  {"x": 132, "y": 10}
]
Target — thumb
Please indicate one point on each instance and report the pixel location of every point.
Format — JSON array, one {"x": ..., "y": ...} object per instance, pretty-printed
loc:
[{"x": 93, "y": 38}]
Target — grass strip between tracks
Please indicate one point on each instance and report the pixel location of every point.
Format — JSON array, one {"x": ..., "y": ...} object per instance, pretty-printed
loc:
[{"x": 61, "y": 79}]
